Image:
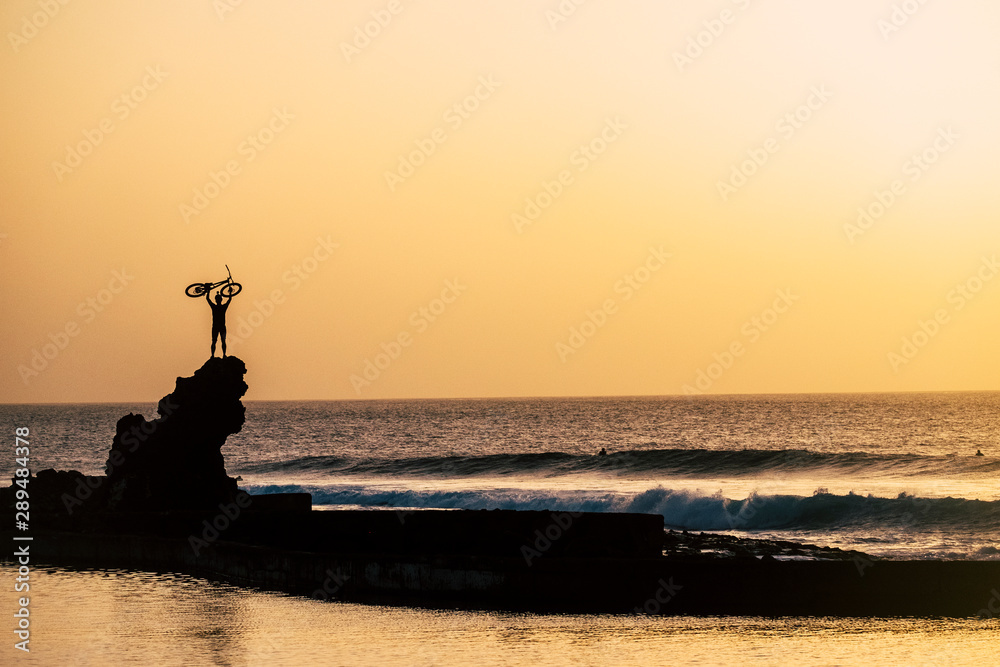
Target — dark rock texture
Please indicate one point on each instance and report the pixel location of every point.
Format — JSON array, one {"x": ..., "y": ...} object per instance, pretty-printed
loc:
[
  {"x": 61, "y": 493},
  {"x": 175, "y": 461}
]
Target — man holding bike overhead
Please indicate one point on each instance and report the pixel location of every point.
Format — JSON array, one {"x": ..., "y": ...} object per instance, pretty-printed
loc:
[
  {"x": 218, "y": 317},
  {"x": 228, "y": 289}
]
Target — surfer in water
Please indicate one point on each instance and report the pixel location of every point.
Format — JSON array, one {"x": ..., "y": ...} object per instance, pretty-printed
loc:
[
  {"x": 603, "y": 452},
  {"x": 979, "y": 452}
]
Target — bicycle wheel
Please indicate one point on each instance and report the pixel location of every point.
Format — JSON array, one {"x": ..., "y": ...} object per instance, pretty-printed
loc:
[
  {"x": 195, "y": 290},
  {"x": 231, "y": 290}
]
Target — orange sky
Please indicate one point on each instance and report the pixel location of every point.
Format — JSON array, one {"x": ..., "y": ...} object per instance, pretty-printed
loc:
[{"x": 444, "y": 199}]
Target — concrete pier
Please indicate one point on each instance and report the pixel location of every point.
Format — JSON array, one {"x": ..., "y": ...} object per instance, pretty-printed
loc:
[{"x": 543, "y": 561}]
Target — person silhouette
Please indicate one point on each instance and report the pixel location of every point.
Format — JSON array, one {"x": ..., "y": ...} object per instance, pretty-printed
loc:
[
  {"x": 979, "y": 452},
  {"x": 218, "y": 318}
]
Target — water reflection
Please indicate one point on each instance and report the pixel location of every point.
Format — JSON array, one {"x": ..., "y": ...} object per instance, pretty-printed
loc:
[{"x": 127, "y": 618}]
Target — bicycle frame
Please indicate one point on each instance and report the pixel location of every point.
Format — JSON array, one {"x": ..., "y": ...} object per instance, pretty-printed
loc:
[{"x": 230, "y": 288}]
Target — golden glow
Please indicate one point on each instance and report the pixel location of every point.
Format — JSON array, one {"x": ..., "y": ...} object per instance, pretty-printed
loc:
[{"x": 338, "y": 119}]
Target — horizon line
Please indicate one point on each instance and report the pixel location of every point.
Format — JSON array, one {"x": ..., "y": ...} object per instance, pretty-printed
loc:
[{"x": 536, "y": 397}]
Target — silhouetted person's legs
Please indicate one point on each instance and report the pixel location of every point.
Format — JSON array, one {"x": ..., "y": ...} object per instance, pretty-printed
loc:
[
  {"x": 215, "y": 338},
  {"x": 222, "y": 334}
]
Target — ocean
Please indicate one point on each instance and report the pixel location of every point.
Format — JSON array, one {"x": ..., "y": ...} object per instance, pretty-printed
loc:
[{"x": 892, "y": 475}]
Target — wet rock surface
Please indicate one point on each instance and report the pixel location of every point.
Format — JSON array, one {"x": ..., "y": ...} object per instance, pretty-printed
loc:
[{"x": 711, "y": 546}]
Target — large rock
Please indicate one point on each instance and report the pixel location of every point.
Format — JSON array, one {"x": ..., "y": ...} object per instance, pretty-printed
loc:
[{"x": 175, "y": 461}]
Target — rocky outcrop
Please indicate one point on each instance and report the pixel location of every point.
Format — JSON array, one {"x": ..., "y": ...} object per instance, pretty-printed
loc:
[{"x": 175, "y": 462}]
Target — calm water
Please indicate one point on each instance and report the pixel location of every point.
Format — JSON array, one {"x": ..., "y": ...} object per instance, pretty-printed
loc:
[
  {"x": 121, "y": 618},
  {"x": 894, "y": 475}
]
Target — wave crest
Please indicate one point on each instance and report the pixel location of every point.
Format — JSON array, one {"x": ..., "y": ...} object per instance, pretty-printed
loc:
[
  {"x": 687, "y": 510},
  {"x": 687, "y": 462}
]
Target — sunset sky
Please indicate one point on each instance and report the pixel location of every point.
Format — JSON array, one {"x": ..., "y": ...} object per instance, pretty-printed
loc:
[{"x": 526, "y": 198}]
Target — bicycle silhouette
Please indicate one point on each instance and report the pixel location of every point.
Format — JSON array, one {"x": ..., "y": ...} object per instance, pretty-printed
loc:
[{"x": 229, "y": 287}]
